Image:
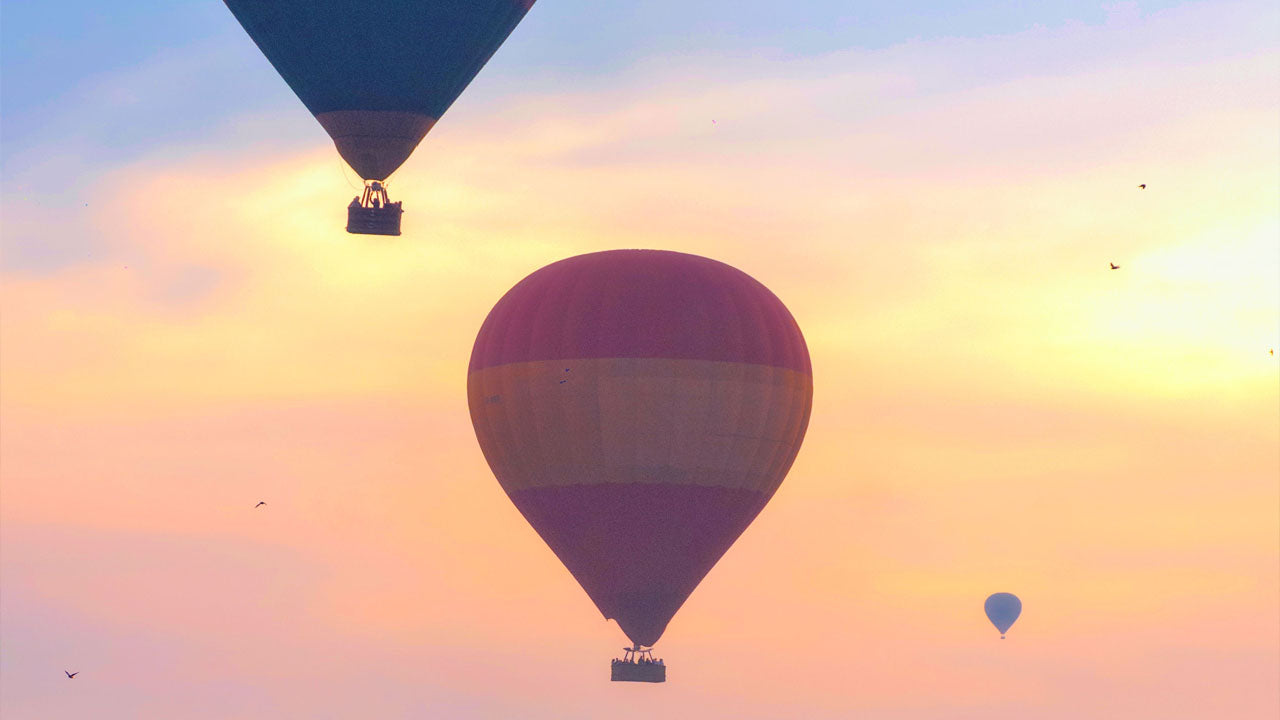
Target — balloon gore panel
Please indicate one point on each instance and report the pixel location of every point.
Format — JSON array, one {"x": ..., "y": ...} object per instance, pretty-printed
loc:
[{"x": 641, "y": 304}]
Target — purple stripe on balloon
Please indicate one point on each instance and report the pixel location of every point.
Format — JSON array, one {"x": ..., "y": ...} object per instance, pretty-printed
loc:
[
  {"x": 639, "y": 549},
  {"x": 640, "y": 304}
]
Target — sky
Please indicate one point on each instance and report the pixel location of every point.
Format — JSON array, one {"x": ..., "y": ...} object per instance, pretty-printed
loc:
[{"x": 934, "y": 190}]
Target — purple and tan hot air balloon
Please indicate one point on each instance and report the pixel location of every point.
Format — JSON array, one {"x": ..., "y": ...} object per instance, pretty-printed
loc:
[{"x": 639, "y": 407}]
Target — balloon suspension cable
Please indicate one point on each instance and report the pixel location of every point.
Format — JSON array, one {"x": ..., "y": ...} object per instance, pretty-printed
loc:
[
  {"x": 637, "y": 654},
  {"x": 345, "y": 170},
  {"x": 375, "y": 195}
]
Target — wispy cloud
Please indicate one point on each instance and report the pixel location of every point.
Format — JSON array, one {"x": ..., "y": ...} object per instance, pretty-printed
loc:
[{"x": 994, "y": 406}]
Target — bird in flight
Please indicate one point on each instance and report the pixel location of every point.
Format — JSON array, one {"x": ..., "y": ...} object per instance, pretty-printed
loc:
[
  {"x": 1143, "y": 186},
  {"x": 72, "y": 675},
  {"x": 1114, "y": 266},
  {"x": 260, "y": 504}
]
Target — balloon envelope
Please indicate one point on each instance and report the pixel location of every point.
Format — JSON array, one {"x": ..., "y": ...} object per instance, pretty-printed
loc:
[
  {"x": 378, "y": 74},
  {"x": 1002, "y": 610},
  {"x": 639, "y": 407}
]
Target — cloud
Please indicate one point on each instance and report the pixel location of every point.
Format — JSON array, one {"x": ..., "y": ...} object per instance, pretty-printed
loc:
[{"x": 993, "y": 406}]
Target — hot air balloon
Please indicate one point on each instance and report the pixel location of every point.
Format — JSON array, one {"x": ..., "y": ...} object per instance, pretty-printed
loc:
[
  {"x": 378, "y": 74},
  {"x": 639, "y": 407},
  {"x": 1002, "y": 610}
]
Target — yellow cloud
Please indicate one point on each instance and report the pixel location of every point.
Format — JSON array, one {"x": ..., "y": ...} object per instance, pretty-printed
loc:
[{"x": 995, "y": 409}]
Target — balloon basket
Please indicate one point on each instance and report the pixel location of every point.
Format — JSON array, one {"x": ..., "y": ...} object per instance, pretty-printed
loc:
[
  {"x": 374, "y": 213},
  {"x": 635, "y": 672},
  {"x": 638, "y": 666},
  {"x": 374, "y": 221}
]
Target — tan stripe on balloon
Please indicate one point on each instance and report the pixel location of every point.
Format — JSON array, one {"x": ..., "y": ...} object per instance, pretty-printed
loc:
[
  {"x": 623, "y": 420},
  {"x": 375, "y": 142}
]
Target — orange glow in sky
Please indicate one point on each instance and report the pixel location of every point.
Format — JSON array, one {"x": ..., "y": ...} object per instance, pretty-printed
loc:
[{"x": 994, "y": 409}]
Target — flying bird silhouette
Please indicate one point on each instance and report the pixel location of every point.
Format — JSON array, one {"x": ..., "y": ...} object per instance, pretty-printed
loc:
[
  {"x": 72, "y": 675},
  {"x": 260, "y": 504},
  {"x": 1114, "y": 266},
  {"x": 1143, "y": 186}
]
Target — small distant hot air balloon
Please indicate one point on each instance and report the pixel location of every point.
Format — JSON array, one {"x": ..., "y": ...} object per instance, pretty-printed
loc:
[
  {"x": 378, "y": 74},
  {"x": 1002, "y": 610},
  {"x": 639, "y": 407}
]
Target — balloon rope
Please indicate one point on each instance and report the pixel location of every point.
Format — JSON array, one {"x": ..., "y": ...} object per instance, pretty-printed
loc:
[{"x": 342, "y": 168}]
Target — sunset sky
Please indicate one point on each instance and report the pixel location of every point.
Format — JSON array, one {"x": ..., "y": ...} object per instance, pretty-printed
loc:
[{"x": 935, "y": 190}]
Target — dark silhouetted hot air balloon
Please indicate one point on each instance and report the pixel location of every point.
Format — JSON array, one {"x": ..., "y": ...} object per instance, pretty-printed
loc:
[
  {"x": 1002, "y": 610},
  {"x": 639, "y": 407},
  {"x": 378, "y": 74}
]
